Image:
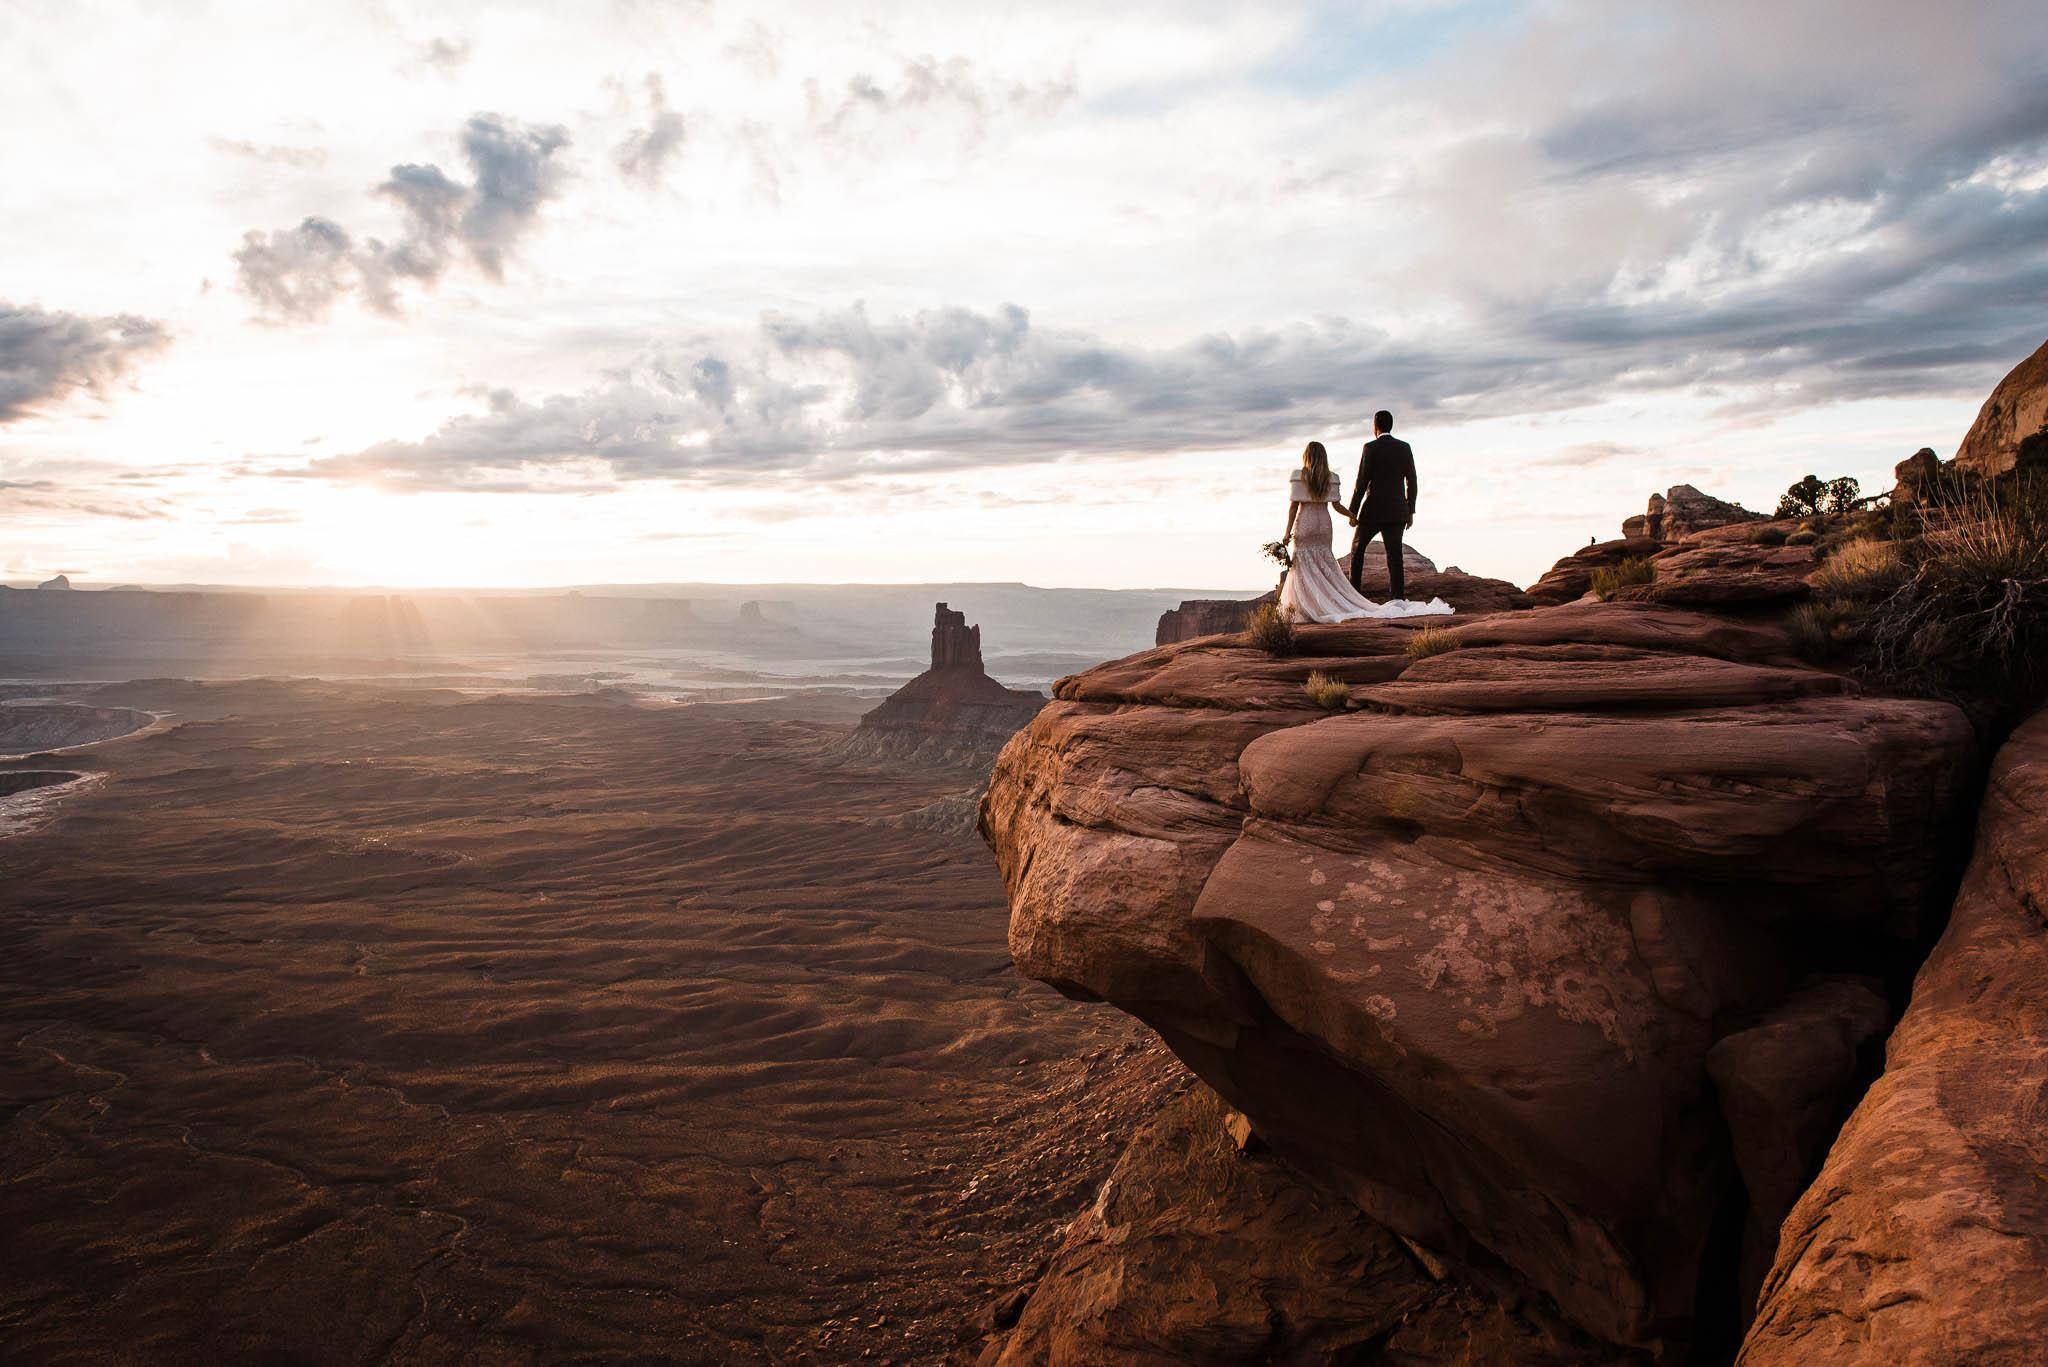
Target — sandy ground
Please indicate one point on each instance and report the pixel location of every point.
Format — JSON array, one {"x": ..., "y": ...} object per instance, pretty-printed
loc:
[{"x": 342, "y": 1025}]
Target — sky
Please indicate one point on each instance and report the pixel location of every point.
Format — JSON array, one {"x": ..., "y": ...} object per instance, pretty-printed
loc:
[{"x": 692, "y": 290}]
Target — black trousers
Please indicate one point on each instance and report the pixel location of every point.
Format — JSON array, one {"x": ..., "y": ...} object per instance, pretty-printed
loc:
[{"x": 1390, "y": 533}]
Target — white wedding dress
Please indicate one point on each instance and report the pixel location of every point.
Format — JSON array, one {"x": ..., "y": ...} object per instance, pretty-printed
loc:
[{"x": 1315, "y": 589}]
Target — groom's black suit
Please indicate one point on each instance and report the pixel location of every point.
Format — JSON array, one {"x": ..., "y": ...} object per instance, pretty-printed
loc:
[{"x": 1383, "y": 501}]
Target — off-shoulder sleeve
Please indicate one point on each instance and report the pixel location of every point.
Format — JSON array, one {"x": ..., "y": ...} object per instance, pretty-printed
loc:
[
  {"x": 1297, "y": 488},
  {"x": 1336, "y": 494}
]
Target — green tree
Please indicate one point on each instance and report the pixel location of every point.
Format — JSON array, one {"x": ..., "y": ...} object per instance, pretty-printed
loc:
[
  {"x": 1843, "y": 493},
  {"x": 1803, "y": 499}
]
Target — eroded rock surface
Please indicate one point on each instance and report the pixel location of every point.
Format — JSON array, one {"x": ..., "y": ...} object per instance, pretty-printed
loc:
[
  {"x": 1740, "y": 566},
  {"x": 1461, "y": 954},
  {"x": 1198, "y": 1253},
  {"x": 1925, "y": 1238},
  {"x": 2012, "y": 427}
]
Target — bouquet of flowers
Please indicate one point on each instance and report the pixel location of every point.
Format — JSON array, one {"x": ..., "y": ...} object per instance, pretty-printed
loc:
[{"x": 1277, "y": 552}]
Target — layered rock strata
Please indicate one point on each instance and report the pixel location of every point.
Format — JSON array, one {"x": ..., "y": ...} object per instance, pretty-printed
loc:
[
  {"x": 1463, "y": 953},
  {"x": 1925, "y": 1238}
]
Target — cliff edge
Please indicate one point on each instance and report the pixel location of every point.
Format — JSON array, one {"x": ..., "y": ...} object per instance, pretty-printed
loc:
[{"x": 1541, "y": 952}]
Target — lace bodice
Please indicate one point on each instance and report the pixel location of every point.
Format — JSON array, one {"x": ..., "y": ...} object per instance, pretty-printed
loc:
[{"x": 1297, "y": 489}]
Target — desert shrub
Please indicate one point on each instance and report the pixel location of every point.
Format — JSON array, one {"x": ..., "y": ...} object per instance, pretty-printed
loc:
[
  {"x": 1768, "y": 535},
  {"x": 1812, "y": 496},
  {"x": 1969, "y": 617},
  {"x": 1635, "y": 569},
  {"x": 1271, "y": 629},
  {"x": 1859, "y": 571},
  {"x": 1326, "y": 690},
  {"x": 1805, "y": 536},
  {"x": 1430, "y": 641},
  {"x": 1825, "y": 629}
]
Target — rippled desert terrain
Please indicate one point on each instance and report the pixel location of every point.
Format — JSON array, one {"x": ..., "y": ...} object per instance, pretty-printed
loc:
[{"x": 341, "y": 1023}]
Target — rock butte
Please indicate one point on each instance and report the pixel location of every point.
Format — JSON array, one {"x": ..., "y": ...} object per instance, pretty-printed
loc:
[
  {"x": 953, "y": 712},
  {"x": 1554, "y": 962}
]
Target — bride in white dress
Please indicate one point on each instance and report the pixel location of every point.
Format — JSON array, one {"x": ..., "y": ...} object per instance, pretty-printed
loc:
[{"x": 1315, "y": 589}]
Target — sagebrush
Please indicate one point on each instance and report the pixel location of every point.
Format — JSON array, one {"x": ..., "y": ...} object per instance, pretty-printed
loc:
[{"x": 1969, "y": 615}]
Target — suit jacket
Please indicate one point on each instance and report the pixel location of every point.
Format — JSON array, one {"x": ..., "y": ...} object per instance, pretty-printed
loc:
[{"x": 1385, "y": 489}]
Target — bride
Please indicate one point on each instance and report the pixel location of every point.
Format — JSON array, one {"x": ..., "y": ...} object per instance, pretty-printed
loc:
[{"x": 1315, "y": 590}]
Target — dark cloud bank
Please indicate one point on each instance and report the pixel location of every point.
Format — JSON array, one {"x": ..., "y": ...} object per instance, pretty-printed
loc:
[
  {"x": 47, "y": 356},
  {"x": 299, "y": 273}
]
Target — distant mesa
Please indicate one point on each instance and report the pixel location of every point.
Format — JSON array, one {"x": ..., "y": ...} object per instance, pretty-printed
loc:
[
  {"x": 761, "y": 612},
  {"x": 953, "y": 713},
  {"x": 62, "y": 581}
]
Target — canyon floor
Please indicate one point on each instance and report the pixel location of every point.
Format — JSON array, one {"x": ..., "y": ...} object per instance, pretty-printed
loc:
[{"x": 345, "y": 1024}]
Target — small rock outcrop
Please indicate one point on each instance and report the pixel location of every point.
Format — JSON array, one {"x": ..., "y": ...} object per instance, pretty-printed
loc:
[
  {"x": 1464, "y": 956},
  {"x": 1915, "y": 477},
  {"x": 62, "y": 581},
  {"x": 1925, "y": 1237},
  {"x": 1745, "y": 565},
  {"x": 1687, "y": 510},
  {"x": 953, "y": 712},
  {"x": 2011, "y": 430}
]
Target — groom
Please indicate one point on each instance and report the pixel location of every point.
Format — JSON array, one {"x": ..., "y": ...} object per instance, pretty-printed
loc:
[{"x": 1383, "y": 501}]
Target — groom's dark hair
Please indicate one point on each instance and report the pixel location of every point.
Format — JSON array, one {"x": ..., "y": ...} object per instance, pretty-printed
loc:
[{"x": 1383, "y": 422}]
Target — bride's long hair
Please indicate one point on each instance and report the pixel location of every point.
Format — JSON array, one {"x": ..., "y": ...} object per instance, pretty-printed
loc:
[{"x": 1316, "y": 461}]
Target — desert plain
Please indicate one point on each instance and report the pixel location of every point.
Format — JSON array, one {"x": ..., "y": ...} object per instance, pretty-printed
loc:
[{"x": 343, "y": 1022}]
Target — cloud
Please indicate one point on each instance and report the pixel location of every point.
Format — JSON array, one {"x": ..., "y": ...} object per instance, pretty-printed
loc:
[
  {"x": 299, "y": 273},
  {"x": 275, "y": 154},
  {"x": 49, "y": 356},
  {"x": 645, "y": 153},
  {"x": 841, "y": 395},
  {"x": 925, "y": 88},
  {"x": 446, "y": 55}
]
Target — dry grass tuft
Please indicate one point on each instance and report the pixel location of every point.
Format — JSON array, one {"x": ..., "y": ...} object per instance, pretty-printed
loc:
[
  {"x": 1824, "y": 630},
  {"x": 1635, "y": 569},
  {"x": 1326, "y": 690},
  {"x": 1272, "y": 630},
  {"x": 1431, "y": 641},
  {"x": 1860, "y": 571}
]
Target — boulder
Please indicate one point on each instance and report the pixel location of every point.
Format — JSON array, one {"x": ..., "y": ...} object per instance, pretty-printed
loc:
[
  {"x": 1461, "y": 956},
  {"x": 1915, "y": 477},
  {"x": 62, "y": 581},
  {"x": 1925, "y": 1238},
  {"x": 1197, "y": 1252},
  {"x": 1572, "y": 577},
  {"x": 2012, "y": 428},
  {"x": 1718, "y": 572},
  {"x": 1747, "y": 565}
]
